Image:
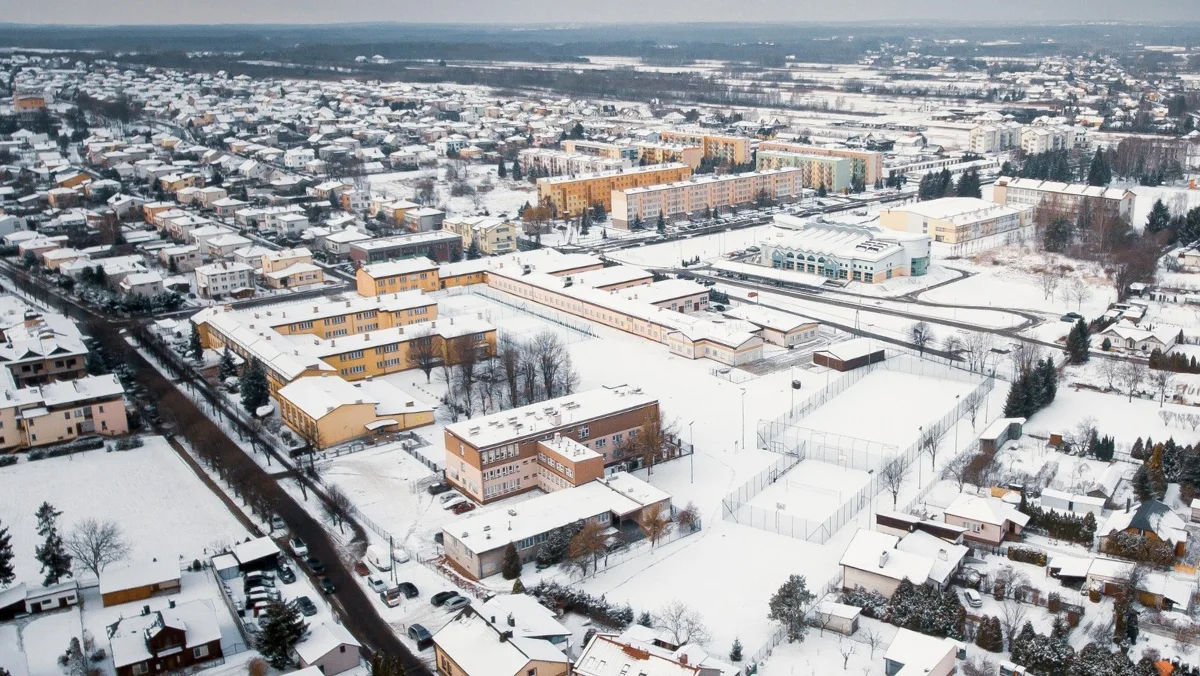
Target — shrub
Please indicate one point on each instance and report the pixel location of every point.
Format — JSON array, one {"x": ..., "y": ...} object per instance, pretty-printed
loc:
[
  {"x": 873, "y": 603},
  {"x": 1027, "y": 555},
  {"x": 6, "y": 460},
  {"x": 594, "y": 607}
]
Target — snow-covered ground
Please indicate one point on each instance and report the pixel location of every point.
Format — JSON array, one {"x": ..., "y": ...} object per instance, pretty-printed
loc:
[
  {"x": 505, "y": 196},
  {"x": 1115, "y": 416},
  {"x": 47, "y": 637},
  {"x": 812, "y": 490},
  {"x": 707, "y": 247},
  {"x": 160, "y": 505},
  {"x": 1178, "y": 200}
]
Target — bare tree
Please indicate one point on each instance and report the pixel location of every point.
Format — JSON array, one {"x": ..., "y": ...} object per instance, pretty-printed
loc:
[
  {"x": 931, "y": 441},
  {"x": 1012, "y": 618},
  {"x": 1133, "y": 374},
  {"x": 422, "y": 353},
  {"x": 509, "y": 354},
  {"x": 1076, "y": 290},
  {"x": 551, "y": 354},
  {"x": 873, "y": 639},
  {"x": 338, "y": 506},
  {"x": 952, "y": 345},
  {"x": 958, "y": 469},
  {"x": 893, "y": 475},
  {"x": 976, "y": 346},
  {"x": 846, "y": 649},
  {"x": 921, "y": 335},
  {"x": 586, "y": 548},
  {"x": 1161, "y": 380},
  {"x": 973, "y": 402},
  {"x": 688, "y": 518},
  {"x": 1049, "y": 277},
  {"x": 683, "y": 623},
  {"x": 655, "y": 522},
  {"x": 1111, "y": 370},
  {"x": 96, "y": 544},
  {"x": 652, "y": 441},
  {"x": 528, "y": 372},
  {"x": 462, "y": 354}
]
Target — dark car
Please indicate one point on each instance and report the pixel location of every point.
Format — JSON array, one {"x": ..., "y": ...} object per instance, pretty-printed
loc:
[
  {"x": 314, "y": 564},
  {"x": 1071, "y": 317},
  {"x": 408, "y": 589},
  {"x": 286, "y": 574},
  {"x": 438, "y": 488},
  {"x": 306, "y": 606},
  {"x": 463, "y": 507},
  {"x": 421, "y": 635},
  {"x": 327, "y": 585},
  {"x": 441, "y": 597}
]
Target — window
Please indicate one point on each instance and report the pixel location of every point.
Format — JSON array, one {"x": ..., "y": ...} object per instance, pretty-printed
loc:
[
  {"x": 584, "y": 432},
  {"x": 200, "y": 651},
  {"x": 140, "y": 668}
]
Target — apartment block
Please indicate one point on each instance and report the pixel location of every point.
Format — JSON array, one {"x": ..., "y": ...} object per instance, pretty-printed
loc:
[
  {"x": 406, "y": 274},
  {"x": 561, "y": 163},
  {"x": 39, "y": 348},
  {"x": 438, "y": 245},
  {"x": 995, "y": 138},
  {"x": 956, "y": 219},
  {"x": 499, "y": 455},
  {"x": 1068, "y": 198},
  {"x": 1041, "y": 138},
  {"x": 716, "y": 147},
  {"x": 697, "y": 195},
  {"x": 491, "y": 236},
  {"x": 180, "y": 258},
  {"x": 61, "y": 411},
  {"x": 663, "y": 153},
  {"x": 610, "y": 151},
  {"x": 866, "y": 162},
  {"x": 570, "y": 195},
  {"x": 224, "y": 279},
  {"x": 817, "y": 170}
]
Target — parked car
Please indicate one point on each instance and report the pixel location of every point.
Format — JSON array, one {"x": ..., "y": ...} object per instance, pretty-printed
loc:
[
  {"x": 314, "y": 564},
  {"x": 327, "y": 585},
  {"x": 1071, "y": 317},
  {"x": 456, "y": 500},
  {"x": 286, "y": 574},
  {"x": 378, "y": 557},
  {"x": 441, "y": 597},
  {"x": 446, "y": 498},
  {"x": 408, "y": 589},
  {"x": 306, "y": 606},
  {"x": 391, "y": 596},
  {"x": 277, "y": 523},
  {"x": 421, "y": 635},
  {"x": 456, "y": 603},
  {"x": 973, "y": 598},
  {"x": 438, "y": 488},
  {"x": 298, "y": 547},
  {"x": 376, "y": 584},
  {"x": 361, "y": 568},
  {"x": 462, "y": 507}
]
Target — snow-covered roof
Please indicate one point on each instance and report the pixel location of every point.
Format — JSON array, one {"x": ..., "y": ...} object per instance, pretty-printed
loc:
[
  {"x": 946, "y": 556},
  {"x": 770, "y": 318},
  {"x": 876, "y": 552},
  {"x": 1150, "y": 516},
  {"x": 404, "y": 266},
  {"x": 855, "y": 348},
  {"x": 255, "y": 550},
  {"x": 608, "y": 656},
  {"x": 319, "y": 396},
  {"x": 476, "y": 647},
  {"x": 530, "y": 619},
  {"x": 918, "y": 653},
  {"x": 986, "y": 510},
  {"x": 324, "y": 640},
  {"x": 141, "y": 574}
]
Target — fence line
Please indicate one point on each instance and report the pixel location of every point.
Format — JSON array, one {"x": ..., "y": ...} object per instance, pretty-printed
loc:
[{"x": 537, "y": 310}]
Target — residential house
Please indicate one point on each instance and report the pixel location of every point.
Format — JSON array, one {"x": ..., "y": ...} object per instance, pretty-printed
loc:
[
  {"x": 142, "y": 284},
  {"x": 988, "y": 521},
  {"x": 502, "y": 633},
  {"x": 914, "y": 654},
  {"x": 873, "y": 563},
  {"x": 330, "y": 648},
  {"x": 224, "y": 279},
  {"x": 328, "y": 410},
  {"x": 174, "y": 638},
  {"x": 139, "y": 581},
  {"x": 61, "y": 411},
  {"x": 1151, "y": 519},
  {"x": 180, "y": 259}
]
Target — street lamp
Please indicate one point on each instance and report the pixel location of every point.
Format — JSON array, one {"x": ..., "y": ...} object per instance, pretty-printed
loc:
[
  {"x": 692, "y": 459},
  {"x": 920, "y": 448},
  {"x": 956, "y": 398},
  {"x": 743, "y": 417}
]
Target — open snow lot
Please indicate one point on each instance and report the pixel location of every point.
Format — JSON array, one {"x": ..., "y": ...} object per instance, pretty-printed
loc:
[
  {"x": 812, "y": 490},
  {"x": 47, "y": 637},
  {"x": 163, "y": 509},
  {"x": 504, "y": 196},
  {"x": 1115, "y": 416},
  {"x": 707, "y": 247},
  {"x": 887, "y": 407}
]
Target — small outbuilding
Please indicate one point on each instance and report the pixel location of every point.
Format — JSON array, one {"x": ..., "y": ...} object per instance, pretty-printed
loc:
[
  {"x": 850, "y": 354},
  {"x": 257, "y": 554},
  {"x": 838, "y": 617},
  {"x": 139, "y": 581}
]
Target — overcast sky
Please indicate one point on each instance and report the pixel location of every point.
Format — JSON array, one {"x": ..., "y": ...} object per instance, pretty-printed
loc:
[{"x": 542, "y": 11}]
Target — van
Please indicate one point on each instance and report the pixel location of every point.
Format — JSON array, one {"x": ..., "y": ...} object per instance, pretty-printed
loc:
[{"x": 377, "y": 556}]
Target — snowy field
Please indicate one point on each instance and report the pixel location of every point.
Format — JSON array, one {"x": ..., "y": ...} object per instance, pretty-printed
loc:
[
  {"x": 812, "y": 490},
  {"x": 887, "y": 407},
  {"x": 1178, "y": 200},
  {"x": 47, "y": 637},
  {"x": 163, "y": 509},
  {"x": 504, "y": 197},
  {"x": 1115, "y": 416},
  {"x": 707, "y": 247}
]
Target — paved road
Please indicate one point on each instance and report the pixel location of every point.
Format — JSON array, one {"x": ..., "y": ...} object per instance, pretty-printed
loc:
[{"x": 357, "y": 608}]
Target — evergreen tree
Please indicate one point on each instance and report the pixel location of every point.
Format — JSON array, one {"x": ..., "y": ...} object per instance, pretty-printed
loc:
[
  {"x": 518, "y": 587},
  {"x": 516, "y": 172},
  {"x": 473, "y": 252},
  {"x": 1049, "y": 381},
  {"x": 1058, "y": 235},
  {"x": 383, "y": 664},
  {"x": 645, "y": 620},
  {"x": 1160, "y": 217},
  {"x": 822, "y": 191},
  {"x": 255, "y": 392},
  {"x": 7, "y": 574},
  {"x": 1014, "y": 404},
  {"x": 280, "y": 629},
  {"x": 501, "y": 168},
  {"x": 510, "y": 568},
  {"x": 661, "y": 226},
  {"x": 790, "y": 605},
  {"x": 52, "y": 553},
  {"x": 735, "y": 653},
  {"x": 969, "y": 185},
  {"x": 226, "y": 368},
  {"x": 1141, "y": 484},
  {"x": 990, "y": 636},
  {"x": 194, "y": 345},
  {"x": 1079, "y": 342},
  {"x": 1099, "y": 173}
]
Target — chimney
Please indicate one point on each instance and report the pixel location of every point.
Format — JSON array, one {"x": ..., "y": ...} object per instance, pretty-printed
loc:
[
  {"x": 146, "y": 610},
  {"x": 883, "y": 557},
  {"x": 683, "y": 659},
  {"x": 942, "y": 554},
  {"x": 512, "y": 621},
  {"x": 171, "y": 603}
]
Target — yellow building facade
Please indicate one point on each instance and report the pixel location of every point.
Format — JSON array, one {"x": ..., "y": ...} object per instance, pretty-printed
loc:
[
  {"x": 717, "y": 147},
  {"x": 570, "y": 195},
  {"x": 409, "y": 274}
]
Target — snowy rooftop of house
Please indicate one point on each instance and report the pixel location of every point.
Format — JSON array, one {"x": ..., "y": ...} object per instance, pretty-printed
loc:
[
  {"x": 918, "y": 653},
  {"x": 1064, "y": 188},
  {"x": 293, "y": 269},
  {"x": 530, "y": 618},
  {"x": 876, "y": 552},
  {"x": 496, "y": 528},
  {"x": 855, "y": 348},
  {"x": 346, "y": 236},
  {"x": 958, "y": 209},
  {"x": 946, "y": 556},
  {"x": 402, "y": 266},
  {"x": 154, "y": 571},
  {"x": 64, "y": 391},
  {"x": 770, "y": 318},
  {"x": 282, "y": 254},
  {"x": 476, "y": 648},
  {"x": 538, "y": 419},
  {"x": 999, "y": 427},
  {"x": 1151, "y": 516},
  {"x": 198, "y": 619},
  {"x": 258, "y": 548},
  {"x": 319, "y": 396},
  {"x": 1070, "y": 566},
  {"x": 609, "y": 656},
  {"x": 986, "y": 510},
  {"x": 323, "y": 640}
]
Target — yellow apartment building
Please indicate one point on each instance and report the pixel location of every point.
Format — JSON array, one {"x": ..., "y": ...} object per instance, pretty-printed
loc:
[
  {"x": 695, "y": 196},
  {"x": 406, "y": 274},
  {"x": 570, "y": 195},
  {"x": 866, "y": 162},
  {"x": 663, "y": 153},
  {"x": 717, "y": 147},
  {"x": 610, "y": 151},
  {"x": 327, "y": 410}
]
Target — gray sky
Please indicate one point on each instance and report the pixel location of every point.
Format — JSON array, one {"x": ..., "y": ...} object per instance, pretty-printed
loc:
[{"x": 605, "y": 11}]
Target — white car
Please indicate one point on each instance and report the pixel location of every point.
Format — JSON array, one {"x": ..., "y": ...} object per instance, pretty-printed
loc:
[
  {"x": 399, "y": 555},
  {"x": 298, "y": 547},
  {"x": 377, "y": 585},
  {"x": 456, "y": 500},
  {"x": 973, "y": 598},
  {"x": 448, "y": 496}
]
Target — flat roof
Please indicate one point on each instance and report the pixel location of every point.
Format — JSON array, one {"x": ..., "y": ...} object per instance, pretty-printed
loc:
[{"x": 402, "y": 266}]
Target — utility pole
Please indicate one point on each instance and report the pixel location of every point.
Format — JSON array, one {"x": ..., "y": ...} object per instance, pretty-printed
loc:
[{"x": 692, "y": 459}]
